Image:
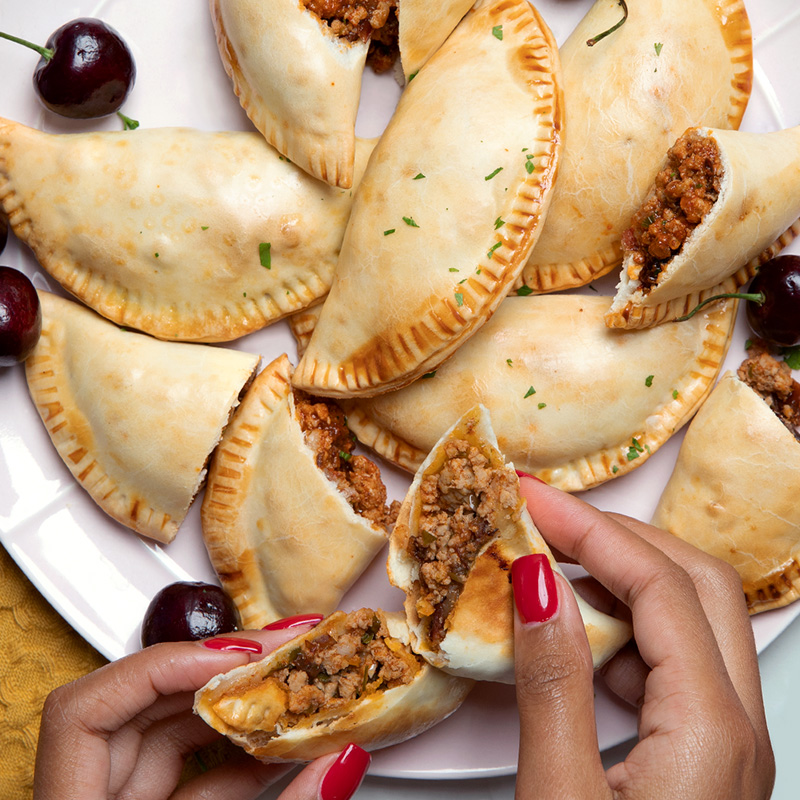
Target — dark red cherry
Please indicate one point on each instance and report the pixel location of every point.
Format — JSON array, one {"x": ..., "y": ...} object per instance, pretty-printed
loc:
[
  {"x": 777, "y": 319},
  {"x": 20, "y": 316},
  {"x": 86, "y": 70},
  {"x": 186, "y": 611},
  {"x": 3, "y": 232}
]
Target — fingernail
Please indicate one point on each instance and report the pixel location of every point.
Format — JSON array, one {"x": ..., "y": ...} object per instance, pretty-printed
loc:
[
  {"x": 233, "y": 645},
  {"x": 534, "y": 583},
  {"x": 293, "y": 622},
  {"x": 344, "y": 776},
  {"x": 521, "y": 474}
]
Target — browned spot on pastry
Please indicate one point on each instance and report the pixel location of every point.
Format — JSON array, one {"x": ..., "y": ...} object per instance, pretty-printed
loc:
[
  {"x": 83, "y": 475},
  {"x": 53, "y": 409},
  {"x": 77, "y": 455}
]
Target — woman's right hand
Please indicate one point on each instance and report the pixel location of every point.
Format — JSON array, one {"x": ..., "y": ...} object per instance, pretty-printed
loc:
[{"x": 692, "y": 672}]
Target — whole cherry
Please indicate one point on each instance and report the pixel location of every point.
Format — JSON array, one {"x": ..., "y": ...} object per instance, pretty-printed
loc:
[
  {"x": 777, "y": 317},
  {"x": 86, "y": 69},
  {"x": 20, "y": 317}
]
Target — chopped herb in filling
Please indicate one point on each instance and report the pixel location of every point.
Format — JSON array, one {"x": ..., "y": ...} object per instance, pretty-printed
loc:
[
  {"x": 683, "y": 194},
  {"x": 459, "y": 515}
]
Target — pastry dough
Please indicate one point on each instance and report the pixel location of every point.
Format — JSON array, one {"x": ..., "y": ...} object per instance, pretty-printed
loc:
[
  {"x": 450, "y": 204},
  {"x": 753, "y": 219},
  {"x": 466, "y": 481},
  {"x": 733, "y": 493},
  {"x": 249, "y": 705},
  {"x": 671, "y": 65},
  {"x": 161, "y": 229},
  {"x": 569, "y": 398},
  {"x": 300, "y": 84},
  {"x": 280, "y": 535},
  {"x": 135, "y": 419}
]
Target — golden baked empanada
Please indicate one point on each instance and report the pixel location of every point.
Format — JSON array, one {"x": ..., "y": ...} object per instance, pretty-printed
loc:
[
  {"x": 671, "y": 65},
  {"x": 462, "y": 525},
  {"x": 733, "y": 493},
  {"x": 180, "y": 233},
  {"x": 352, "y": 679},
  {"x": 135, "y": 419},
  {"x": 291, "y": 517},
  {"x": 571, "y": 401},
  {"x": 298, "y": 75},
  {"x": 723, "y": 203},
  {"x": 450, "y": 204}
]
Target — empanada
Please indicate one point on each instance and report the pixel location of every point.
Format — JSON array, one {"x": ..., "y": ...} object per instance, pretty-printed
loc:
[
  {"x": 298, "y": 75},
  {"x": 450, "y": 204},
  {"x": 671, "y": 65},
  {"x": 572, "y": 402},
  {"x": 180, "y": 233},
  {"x": 135, "y": 419},
  {"x": 723, "y": 203},
  {"x": 462, "y": 525},
  {"x": 352, "y": 679},
  {"x": 291, "y": 517},
  {"x": 733, "y": 493}
]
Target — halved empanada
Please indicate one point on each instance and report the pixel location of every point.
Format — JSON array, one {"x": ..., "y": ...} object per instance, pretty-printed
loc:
[
  {"x": 723, "y": 204},
  {"x": 135, "y": 419},
  {"x": 352, "y": 679},
  {"x": 733, "y": 493},
  {"x": 462, "y": 525},
  {"x": 298, "y": 77},
  {"x": 572, "y": 401},
  {"x": 291, "y": 517},
  {"x": 671, "y": 65},
  {"x": 450, "y": 204},
  {"x": 180, "y": 233}
]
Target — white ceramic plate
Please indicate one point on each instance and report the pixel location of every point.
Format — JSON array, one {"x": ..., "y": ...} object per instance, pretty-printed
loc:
[{"x": 99, "y": 575}]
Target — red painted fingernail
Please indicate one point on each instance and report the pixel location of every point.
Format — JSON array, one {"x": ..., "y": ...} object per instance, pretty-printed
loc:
[
  {"x": 344, "y": 776},
  {"x": 293, "y": 622},
  {"x": 521, "y": 474},
  {"x": 534, "y": 583},
  {"x": 233, "y": 645}
]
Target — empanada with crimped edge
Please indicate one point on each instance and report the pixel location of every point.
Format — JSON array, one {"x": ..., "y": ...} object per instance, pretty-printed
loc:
[
  {"x": 134, "y": 419},
  {"x": 371, "y": 706},
  {"x": 300, "y": 84},
  {"x": 671, "y": 65},
  {"x": 451, "y": 202},
  {"x": 462, "y": 525},
  {"x": 572, "y": 401},
  {"x": 733, "y": 493},
  {"x": 184, "y": 234},
  {"x": 754, "y": 217},
  {"x": 281, "y": 536}
]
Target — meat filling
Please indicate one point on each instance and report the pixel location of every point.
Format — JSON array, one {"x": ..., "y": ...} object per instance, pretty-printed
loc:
[
  {"x": 356, "y": 477},
  {"x": 329, "y": 671},
  {"x": 459, "y": 515},
  {"x": 360, "y": 20},
  {"x": 684, "y": 192},
  {"x": 772, "y": 380}
]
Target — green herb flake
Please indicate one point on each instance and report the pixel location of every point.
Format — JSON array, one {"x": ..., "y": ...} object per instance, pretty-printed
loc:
[
  {"x": 497, "y": 32},
  {"x": 615, "y": 469},
  {"x": 634, "y": 450},
  {"x": 204, "y": 227},
  {"x": 156, "y": 255},
  {"x": 493, "y": 248},
  {"x": 429, "y": 374},
  {"x": 524, "y": 291},
  {"x": 748, "y": 344},
  {"x": 648, "y": 381},
  {"x": 265, "y": 255},
  {"x": 244, "y": 294},
  {"x": 791, "y": 355},
  {"x": 658, "y": 46},
  {"x": 459, "y": 299},
  {"x": 389, "y": 232},
  {"x": 410, "y": 222},
  {"x": 463, "y": 280},
  {"x": 498, "y": 223},
  {"x": 412, "y": 75},
  {"x": 344, "y": 455},
  {"x": 453, "y": 269},
  {"x": 530, "y": 391},
  {"x": 492, "y": 174},
  {"x": 674, "y": 394},
  {"x": 542, "y": 405},
  {"x": 418, "y": 176},
  {"x": 509, "y": 362},
  {"x": 529, "y": 167}
]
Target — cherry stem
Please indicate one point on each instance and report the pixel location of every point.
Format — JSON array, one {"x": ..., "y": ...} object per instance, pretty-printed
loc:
[
  {"x": 45, "y": 52},
  {"x": 595, "y": 39},
  {"x": 757, "y": 298}
]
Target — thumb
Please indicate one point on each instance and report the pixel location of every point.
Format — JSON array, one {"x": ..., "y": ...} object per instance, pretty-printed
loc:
[{"x": 558, "y": 751}]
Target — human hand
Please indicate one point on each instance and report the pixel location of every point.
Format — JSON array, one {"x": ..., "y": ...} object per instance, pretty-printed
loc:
[
  {"x": 692, "y": 671},
  {"x": 125, "y": 731}
]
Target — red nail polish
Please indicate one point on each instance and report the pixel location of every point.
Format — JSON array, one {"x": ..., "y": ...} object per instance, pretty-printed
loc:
[
  {"x": 293, "y": 622},
  {"x": 534, "y": 583},
  {"x": 344, "y": 776},
  {"x": 233, "y": 645},
  {"x": 521, "y": 474}
]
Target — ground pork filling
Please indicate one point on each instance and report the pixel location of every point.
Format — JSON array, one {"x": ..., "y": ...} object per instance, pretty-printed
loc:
[
  {"x": 356, "y": 658},
  {"x": 684, "y": 192},
  {"x": 772, "y": 380},
  {"x": 356, "y": 477},
  {"x": 360, "y": 20},
  {"x": 459, "y": 515}
]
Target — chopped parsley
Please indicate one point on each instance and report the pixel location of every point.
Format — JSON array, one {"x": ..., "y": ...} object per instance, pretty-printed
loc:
[
  {"x": 454, "y": 269},
  {"x": 493, "y": 248},
  {"x": 492, "y": 174},
  {"x": 204, "y": 227},
  {"x": 524, "y": 291},
  {"x": 265, "y": 255},
  {"x": 658, "y": 46},
  {"x": 634, "y": 450},
  {"x": 791, "y": 355},
  {"x": 748, "y": 344},
  {"x": 542, "y": 405},
  {"x": 429, "y": 374},
  {"x": 615, "y": 469},
  {"x": 530, "y": 391},
  {"x": 390, "y": 231},
  {"x": 344, "y": 455},
  {"x": 529, "y": 167},
  {"x": 497, "y": 32},
  {"x": 498, "y": 223},
  {"x": 418, "y": 176},
  {"x": 412, "y": 75},
  {"x": 674, "y": 394},
  {"x": 410, "y": 221},
  {"x": 459, "y": 299},
  {"x": 648, "y": 381},
  {"x": 509, "y": 362}
]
